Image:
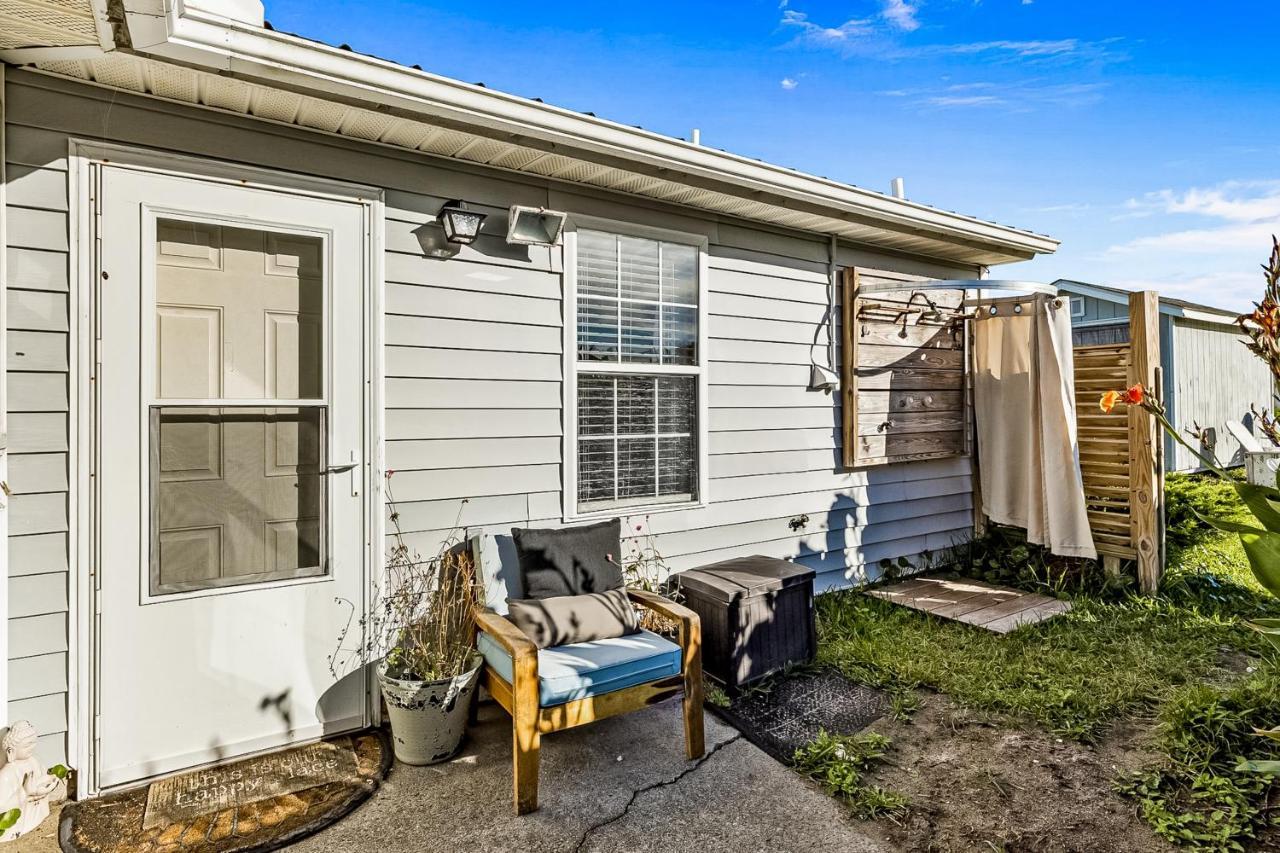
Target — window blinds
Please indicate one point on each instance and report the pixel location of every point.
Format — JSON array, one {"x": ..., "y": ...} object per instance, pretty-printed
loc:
[{"x": 637, "y": 431}]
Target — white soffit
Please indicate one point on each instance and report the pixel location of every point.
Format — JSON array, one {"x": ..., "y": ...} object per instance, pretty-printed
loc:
[
  {"x": 184, "y": 84},
  {"x": 47, "y": 23}
]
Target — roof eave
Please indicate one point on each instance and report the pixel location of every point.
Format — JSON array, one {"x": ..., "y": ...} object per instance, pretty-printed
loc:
[
  {"x": 1119, "y": 296},
  {"x": 191, "y": 36}
]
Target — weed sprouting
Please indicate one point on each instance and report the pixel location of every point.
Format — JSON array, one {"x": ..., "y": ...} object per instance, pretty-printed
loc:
[{"x": 839, "y": 762}]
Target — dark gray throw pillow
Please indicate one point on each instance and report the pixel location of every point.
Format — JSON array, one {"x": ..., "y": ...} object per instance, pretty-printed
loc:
[
  {"x": 570, "y": 619},
  {"x": 570, "y": 560}
]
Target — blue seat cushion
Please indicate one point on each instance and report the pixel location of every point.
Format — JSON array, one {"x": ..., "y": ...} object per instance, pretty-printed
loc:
[{"x": 566, "y": 673}]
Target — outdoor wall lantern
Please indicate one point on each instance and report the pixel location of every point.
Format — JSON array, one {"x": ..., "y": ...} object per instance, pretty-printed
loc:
[
  {"x": 460, "y": 224},
  {"x": 534, "y": 226}
]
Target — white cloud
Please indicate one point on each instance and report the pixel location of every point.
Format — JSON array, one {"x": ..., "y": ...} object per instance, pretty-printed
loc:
[
  {"x": 1247, "y": 213},
  {"x": 901, "y": 15},
  {"x": 814, "y": 34},
  {"x": 882, "y": 35},
  {"x": 1023, "y": 96},
  {"x": 964, "y": 101},
  {"x": 1204, "y": 243},
  {"x": 1230, "y": 289},
  {"x": 1023, "y": 49},
  {"x": 1238, "y": 201},
  {"x": 789, "y": 83}
]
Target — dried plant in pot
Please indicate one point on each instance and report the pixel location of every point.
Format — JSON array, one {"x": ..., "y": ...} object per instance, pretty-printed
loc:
[{"x": 421, "y": 633}]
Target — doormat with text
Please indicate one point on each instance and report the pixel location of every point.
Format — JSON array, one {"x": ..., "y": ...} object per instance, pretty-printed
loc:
[
  {"x": 257, "y": 804},
  {"x": 788, "y": 711}
]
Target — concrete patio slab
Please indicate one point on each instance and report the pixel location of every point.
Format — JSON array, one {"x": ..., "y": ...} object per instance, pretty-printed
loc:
[{"x": 622, "y": 784}]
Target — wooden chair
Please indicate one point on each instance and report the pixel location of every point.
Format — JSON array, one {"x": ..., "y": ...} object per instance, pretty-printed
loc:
[{"x": 584, "y": 682}]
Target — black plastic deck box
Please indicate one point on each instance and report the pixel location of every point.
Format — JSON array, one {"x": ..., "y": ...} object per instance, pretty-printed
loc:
[{"x": 756, "y": 613}]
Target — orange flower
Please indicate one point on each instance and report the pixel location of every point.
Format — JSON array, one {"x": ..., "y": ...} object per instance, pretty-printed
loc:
[
  {"x": 1108, "y": 401},
  {"x": 1133, "y": 395}
]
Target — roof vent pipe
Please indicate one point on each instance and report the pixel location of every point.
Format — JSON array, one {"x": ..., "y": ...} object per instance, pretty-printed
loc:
[
  {"x": 898, "y": 188},
  {"x": 696, "y": 137}
]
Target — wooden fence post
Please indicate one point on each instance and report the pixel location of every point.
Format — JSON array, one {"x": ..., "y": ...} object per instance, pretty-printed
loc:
[{"x": 1146, "y": 482}]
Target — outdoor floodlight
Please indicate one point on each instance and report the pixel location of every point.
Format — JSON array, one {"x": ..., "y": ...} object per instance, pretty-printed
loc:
[
  {"x": 534, "y": 226},
  {"x": 460, "y": 224}
]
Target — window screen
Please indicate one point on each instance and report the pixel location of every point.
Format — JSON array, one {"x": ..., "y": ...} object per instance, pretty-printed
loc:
[{"x": 638, "y": 366}]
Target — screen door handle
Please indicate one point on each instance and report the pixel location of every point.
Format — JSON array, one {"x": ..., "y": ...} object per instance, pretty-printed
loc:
[{"x": 343, "y": 468}]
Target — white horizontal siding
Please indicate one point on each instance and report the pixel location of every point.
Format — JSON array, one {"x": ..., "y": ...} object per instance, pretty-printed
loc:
[
  {"x": 433, "y": 363},
  {"x": 33, "y": 473},
  {"x": 473, "y": 358},
  {"x": 37, "y": 320},
  {"x": 32, "y": 269},
  {"x": 37, "y": 635},
  {"x": 39, "y": 554}
]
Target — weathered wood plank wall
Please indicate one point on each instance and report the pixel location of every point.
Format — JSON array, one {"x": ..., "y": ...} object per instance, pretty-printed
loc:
[{"x": 903, "y": 374}]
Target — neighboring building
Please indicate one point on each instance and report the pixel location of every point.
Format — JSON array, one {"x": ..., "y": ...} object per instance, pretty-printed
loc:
[
  {"x": 1210, "y": 378},
  {"x": 232, "y": 309}
]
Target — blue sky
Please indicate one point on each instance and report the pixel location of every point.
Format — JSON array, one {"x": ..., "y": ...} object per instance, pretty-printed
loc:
[{"x": 1144, "y": 135}]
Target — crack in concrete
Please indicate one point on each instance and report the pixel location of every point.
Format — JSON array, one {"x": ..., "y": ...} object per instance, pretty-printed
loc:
[{"x": 663, "y": 784}]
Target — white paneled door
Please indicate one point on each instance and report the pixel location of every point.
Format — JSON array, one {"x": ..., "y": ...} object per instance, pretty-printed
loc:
[{"x": 229, "y": 466}]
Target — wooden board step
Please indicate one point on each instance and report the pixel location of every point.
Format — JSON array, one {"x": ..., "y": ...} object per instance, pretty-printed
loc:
[{"x": 994, "y": 608}]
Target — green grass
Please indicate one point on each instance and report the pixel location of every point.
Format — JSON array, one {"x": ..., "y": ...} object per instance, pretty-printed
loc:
[
  {"x": 838, "y": 763},
  {"x": 1114, "y": 654},
  {"x": 1073, "y": 674}
]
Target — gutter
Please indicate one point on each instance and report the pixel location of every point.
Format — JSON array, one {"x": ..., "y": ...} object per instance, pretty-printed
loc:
[
  {"x": 1116, "y": 296},
  {"x": 191, "y": 35}
]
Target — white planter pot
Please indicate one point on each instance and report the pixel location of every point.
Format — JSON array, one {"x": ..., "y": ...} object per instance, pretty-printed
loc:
[{"x": 428, "y": 718}]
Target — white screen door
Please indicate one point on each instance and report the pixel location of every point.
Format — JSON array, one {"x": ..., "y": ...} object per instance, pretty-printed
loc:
[{"x": 229, "y": 463}]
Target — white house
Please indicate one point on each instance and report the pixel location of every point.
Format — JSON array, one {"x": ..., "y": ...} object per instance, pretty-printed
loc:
[
  {"x": 1210, "y": 378},
  {"x": 231, "y": 308}
]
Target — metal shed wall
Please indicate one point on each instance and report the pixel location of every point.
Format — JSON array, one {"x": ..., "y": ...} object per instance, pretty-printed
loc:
[{"x": 1215, "y": 379}]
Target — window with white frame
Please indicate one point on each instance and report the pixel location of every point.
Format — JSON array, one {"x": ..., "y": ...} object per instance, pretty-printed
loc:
[
  {"x": 1077, "y": 307},
  {"x": 637, "y": 371}
]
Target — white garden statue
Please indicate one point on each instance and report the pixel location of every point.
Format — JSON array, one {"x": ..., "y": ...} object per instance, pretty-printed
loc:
[{"x": 24, "y": 783}]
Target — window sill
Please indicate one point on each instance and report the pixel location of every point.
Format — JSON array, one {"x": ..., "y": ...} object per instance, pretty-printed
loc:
[{"x": 631, "y": 511}]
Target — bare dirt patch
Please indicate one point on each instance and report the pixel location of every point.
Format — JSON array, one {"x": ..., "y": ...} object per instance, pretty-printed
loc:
[{"x": 982, "y": 783}]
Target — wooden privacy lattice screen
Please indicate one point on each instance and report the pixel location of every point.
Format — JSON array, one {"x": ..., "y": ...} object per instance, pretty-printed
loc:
[
  {"x": 1104, "y": 446},
  {"x": 1123, "y": 485},
  {"x": 903, "y": 375}
]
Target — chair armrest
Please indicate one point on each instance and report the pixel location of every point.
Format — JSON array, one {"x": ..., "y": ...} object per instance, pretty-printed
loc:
[
  {"x": 507, "y": 635},
  {"x": 662, "y": 606},
  {"x": 689, "y": 627}
]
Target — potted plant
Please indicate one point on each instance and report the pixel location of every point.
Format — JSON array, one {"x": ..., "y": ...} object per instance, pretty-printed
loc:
[{"x": 421, "y": 632}]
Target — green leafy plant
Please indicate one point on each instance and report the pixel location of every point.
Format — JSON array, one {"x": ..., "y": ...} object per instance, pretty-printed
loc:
[
  {"x": 1202, "y": 795},
  {"x": 715, "y": 693},
  {"x": 839, "y": 762},
  {"x": 9, "y": 818},
  {"x": 1004, "y": 557},
  {"x": 60, "y": 770}
]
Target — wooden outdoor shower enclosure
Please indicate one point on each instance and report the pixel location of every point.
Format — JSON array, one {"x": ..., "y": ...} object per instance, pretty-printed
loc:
[{"x": 907, "y": 397}]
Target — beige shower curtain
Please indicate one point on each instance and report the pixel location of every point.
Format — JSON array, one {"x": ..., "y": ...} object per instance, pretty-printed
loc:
[{"x": 1025, "y": 417}]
